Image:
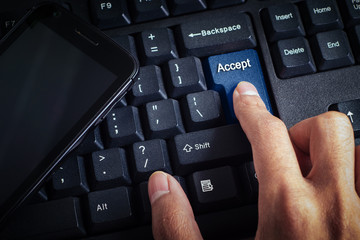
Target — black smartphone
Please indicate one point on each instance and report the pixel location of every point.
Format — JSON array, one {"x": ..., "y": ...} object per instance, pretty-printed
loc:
[{"x": 59, "y": 77}]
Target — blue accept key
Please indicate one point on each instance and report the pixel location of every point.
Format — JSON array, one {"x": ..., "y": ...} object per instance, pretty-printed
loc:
[{"x": 225, "y": 71}]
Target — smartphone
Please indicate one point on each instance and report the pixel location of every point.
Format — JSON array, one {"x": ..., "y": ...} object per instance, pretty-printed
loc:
[{"x": 59, "y": 77}]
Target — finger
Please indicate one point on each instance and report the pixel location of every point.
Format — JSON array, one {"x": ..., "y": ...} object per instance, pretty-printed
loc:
[
  {"x": 357, "y": 169},
  {"x": 172, "y": 216},
  {"x": 328, "y": 139},
  {"x": 274, "y": 156}
]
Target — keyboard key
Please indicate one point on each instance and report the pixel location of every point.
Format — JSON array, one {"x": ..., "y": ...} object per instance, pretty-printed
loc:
[
  {"x": 149, "y": 156},
  {"x": 183, "y": 185},
  {"x": 163, "y": 119},
  {"x": 354, "y": 37},
  {"x": 110, "y": 209},
  {"x": 225, "y": 71},
  {"x": 203, "y": 149},
  {"x": 186, "y": 75},
  {"x": 332, "y": 50},
  {"x": 179, "y": 7},
  {"x": 70, "y": 178},
  {"x": 149, "y": 10},
  {"x": 148, "y": 87},
  {"x": 123, "y": 126},
  {"x": 8, "y": 20},
  {"x": 110, "y": 168},
  {"x": 92, "y": 142},
  {"x": 202, "y": 110},
  {"x": 223, "y": 3},
  {"x": 224, "y": 33},
  {"x": 109, "y": 13},
  {"x": 158, "y": 46},
  {"x": 292, "y": 57},
  {"x": 214, "y": 188},
  {"x": 121, "y": 103},
  {"x": 127, "y": 42},
  {"x": 350, "y": 10},
  {"x": 320, "y": 16},
  {"x": 40, "y": 196},
  {"x": 56, "y": 219},
  {"x": 282, "y": 21},
  {"x": 249, "y": 182},
  {"x": 143, "y": 202},
  {"x": 352, "y": 110}
]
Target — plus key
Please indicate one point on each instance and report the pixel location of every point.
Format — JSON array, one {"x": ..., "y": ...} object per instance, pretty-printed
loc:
[{"x": 158, "y": 46}]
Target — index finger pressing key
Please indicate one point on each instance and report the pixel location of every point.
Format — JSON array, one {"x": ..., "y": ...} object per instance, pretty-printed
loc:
[{"x": 274, "y": 156}]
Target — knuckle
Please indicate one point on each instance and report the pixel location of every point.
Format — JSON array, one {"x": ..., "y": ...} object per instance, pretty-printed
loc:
[
  {"x": 274, "y": 125},
  {"x": 336, "y": 124},
  {"x": 335, "y": 119}
]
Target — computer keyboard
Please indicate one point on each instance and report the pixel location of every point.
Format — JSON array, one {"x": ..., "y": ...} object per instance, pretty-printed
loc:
[{"x": 301, "y": 55}]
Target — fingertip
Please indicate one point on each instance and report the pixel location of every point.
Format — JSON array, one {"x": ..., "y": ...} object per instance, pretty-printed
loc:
[
  {"x": 246, "y": 88},
  {"x": 172, "y": 215},
  {"x": 246, "y": 97},
  {"x": 158, "y": 186}
]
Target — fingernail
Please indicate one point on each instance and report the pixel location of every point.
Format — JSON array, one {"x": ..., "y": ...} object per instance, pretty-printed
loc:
[
  {"x": 246, "y": 88},
  {"x": 158, "y": 186}
]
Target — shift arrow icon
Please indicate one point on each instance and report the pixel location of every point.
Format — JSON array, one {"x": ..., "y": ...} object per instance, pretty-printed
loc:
[
  {"x": 187, "y": 148},
  {"x": 350, "y": 114}
]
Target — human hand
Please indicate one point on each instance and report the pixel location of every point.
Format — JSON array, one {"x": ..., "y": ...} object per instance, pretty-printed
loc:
[{"x": 309, "y": 183}]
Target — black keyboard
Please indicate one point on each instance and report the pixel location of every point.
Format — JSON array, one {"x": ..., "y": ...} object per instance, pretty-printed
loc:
[{"x": 303, "y": 56}]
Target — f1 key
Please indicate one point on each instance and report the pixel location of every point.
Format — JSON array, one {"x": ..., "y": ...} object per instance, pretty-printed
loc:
[{"x": 352, "y": 110}]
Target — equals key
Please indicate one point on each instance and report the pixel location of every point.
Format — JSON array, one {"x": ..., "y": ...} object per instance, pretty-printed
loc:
[{"x": 352, "y": 110}]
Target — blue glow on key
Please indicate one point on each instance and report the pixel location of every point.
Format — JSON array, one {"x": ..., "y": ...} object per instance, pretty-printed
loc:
[{"x": 225, "y": 71}]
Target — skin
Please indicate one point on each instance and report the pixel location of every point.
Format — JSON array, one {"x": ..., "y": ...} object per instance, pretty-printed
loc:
[{"x": 309, "y": 178}]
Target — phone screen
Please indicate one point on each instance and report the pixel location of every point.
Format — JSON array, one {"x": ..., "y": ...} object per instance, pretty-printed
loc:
[{"x": 47, "y": 84}]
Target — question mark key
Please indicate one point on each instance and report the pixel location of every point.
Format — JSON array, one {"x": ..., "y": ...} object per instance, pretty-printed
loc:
[{"x": 148, "y": 157}]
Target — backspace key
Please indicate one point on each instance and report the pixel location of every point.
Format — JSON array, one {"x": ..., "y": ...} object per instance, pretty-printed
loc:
[{"x": 224, "y": 33}]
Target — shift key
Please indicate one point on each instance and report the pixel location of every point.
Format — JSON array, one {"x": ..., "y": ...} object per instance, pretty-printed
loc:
[
  {"x": 223, "y": 33},
  {"x": 209, "y": 148}
]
